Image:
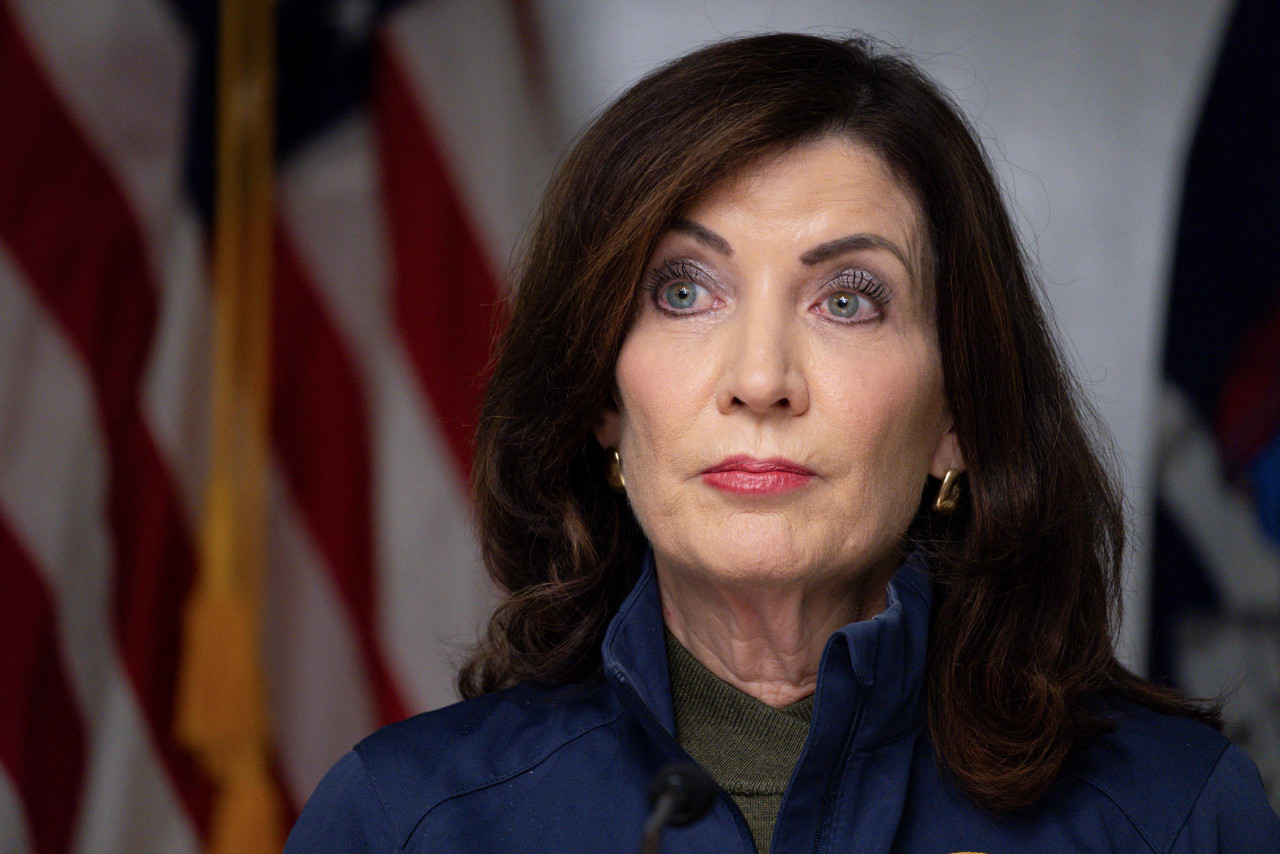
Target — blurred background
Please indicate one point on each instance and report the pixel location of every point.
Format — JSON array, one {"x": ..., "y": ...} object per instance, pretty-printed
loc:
[{"x": 247, "y": 289}]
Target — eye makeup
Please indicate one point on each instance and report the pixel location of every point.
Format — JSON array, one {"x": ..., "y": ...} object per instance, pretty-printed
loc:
[
  {"x": 692, "y": 277},
  {"x": 673, "y": 270},
  {"x": 695, "y": 288},
  {"x": 861, "y": 282}
]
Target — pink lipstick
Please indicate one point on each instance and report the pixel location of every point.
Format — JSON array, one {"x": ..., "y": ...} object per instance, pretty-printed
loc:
[{"x": 745, "y": 475}]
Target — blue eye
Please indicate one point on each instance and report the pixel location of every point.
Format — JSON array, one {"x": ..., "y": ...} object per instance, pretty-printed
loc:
[
  {"x": 674, "y": 288},
  {"x": 854, "y": 296},
  {"x": 843, "y": 304},
  {"x": 681, "y": 295}
]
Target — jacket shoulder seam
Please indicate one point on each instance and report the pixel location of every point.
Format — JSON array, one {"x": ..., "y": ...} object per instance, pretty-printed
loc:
[
  {"x": 1196, "y": 800},
  {"x": 382, "y": 799},
  {"x": 1136, "y": 826},
  {"x": 475, "y": 787}
]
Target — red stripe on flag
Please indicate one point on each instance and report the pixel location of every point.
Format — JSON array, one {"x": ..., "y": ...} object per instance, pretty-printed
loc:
[
  {"x": 42, "y": 737},
  {"x": 319, "y": 426},
  {"x": 446, "y": 299},
  {"x": 1248, "y": 412},
  {"x": 71, "y": 231}
]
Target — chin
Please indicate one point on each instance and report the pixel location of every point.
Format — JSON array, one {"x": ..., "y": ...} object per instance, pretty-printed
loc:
[
  {"x": 758, "y": 552},
  {"x": 759, "y": 559}
]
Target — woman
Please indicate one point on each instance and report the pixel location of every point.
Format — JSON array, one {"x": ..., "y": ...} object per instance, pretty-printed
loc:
[{"x": 780, "y": 470}]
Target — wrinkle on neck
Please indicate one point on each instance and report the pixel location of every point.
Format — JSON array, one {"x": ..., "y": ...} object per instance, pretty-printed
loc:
[{"x": 766, "y": 640}]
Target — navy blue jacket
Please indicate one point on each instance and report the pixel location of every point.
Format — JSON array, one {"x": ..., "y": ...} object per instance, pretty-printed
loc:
[{"x": 564, "y": 768}]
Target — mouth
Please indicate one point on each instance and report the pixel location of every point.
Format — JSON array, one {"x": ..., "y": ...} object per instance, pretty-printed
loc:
[{"x": 743, "y": 475}]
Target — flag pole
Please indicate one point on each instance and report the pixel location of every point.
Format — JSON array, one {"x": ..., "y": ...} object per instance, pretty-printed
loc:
[{"x": 222, "y": 702}]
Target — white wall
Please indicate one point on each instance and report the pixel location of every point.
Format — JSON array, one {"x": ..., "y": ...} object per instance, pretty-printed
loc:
[{"x": 1087, "y": 109}]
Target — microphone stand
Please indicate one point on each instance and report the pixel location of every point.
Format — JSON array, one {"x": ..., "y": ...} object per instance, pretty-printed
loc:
[{"x": 678, "y": 795}]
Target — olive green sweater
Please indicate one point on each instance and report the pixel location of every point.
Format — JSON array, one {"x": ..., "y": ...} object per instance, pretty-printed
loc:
[{"x": 747, "y": 746}]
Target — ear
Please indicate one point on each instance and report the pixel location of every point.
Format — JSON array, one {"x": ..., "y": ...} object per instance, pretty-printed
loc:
[
  {"x": 608, "y": 426},
  {"x": 947, "y": 453}
]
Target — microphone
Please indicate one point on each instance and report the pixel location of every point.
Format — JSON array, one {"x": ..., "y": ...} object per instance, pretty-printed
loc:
[{"x": 679, "y": 794}]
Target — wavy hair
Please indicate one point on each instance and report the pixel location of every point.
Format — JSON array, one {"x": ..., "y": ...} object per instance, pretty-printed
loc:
[{"x": 1027, "y": 572}]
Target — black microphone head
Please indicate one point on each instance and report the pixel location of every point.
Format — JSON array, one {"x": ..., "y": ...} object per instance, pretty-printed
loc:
[{"x": 691, "y": 787}]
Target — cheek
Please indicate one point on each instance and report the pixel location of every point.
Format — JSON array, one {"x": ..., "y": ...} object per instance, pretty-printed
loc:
[
  {"x": 658, "y": 395},
  {"x": 891, "y": 417}
]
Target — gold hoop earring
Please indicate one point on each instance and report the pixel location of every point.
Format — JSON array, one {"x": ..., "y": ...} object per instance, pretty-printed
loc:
[
  {"x": 613, "y": 475},
  {"x": 948, "y": 493}
]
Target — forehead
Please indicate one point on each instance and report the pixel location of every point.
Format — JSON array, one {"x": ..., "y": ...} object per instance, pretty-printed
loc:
[{"x": 815, "y": 192}]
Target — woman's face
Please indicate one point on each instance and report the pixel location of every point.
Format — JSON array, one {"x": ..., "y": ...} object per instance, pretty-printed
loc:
[{"x": 779, "y": 397}]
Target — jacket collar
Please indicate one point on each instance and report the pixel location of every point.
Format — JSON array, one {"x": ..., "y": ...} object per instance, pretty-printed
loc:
[
  {"x": 635, "y": 652},
  {"x": 873, "y": 669}
]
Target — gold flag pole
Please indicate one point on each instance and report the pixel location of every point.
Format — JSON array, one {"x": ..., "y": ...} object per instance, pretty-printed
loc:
[{"x": 222, "y": 708}]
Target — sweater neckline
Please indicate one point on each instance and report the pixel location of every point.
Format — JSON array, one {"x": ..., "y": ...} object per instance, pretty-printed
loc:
[
  {"x": 748, "y": 746},
  {"x": 873, "y": 669}
]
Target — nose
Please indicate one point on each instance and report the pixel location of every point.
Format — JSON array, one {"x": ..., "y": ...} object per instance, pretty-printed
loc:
[{"x": 762, "y": 370}]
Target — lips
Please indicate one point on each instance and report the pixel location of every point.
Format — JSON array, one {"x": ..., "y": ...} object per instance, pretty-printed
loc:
[{"x": 745, "y": 475}]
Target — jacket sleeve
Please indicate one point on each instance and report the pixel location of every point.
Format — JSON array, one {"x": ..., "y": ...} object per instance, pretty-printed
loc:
[
  {"x": 1232, "y": 813},
  {"x": 344, "y": 815}
]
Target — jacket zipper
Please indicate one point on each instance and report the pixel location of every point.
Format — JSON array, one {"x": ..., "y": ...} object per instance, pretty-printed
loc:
[
  {"x": 828, "y": 796},
  {"x": 744, "y": 831}
]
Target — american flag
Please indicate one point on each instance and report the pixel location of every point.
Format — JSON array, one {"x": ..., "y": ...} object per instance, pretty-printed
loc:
[
  {"x": 1216, "y": 580},
  {"x": 411, "y": 144}
]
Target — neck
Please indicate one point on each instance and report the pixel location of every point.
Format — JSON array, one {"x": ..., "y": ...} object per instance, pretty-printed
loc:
[{"x": 766, "y": 640}]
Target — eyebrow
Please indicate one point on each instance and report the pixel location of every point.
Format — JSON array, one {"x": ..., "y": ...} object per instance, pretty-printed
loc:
[
  {"x": 703, "y": 234},
  {"x": 855, "y": 243},
  {"x": 813, "y": 257}
]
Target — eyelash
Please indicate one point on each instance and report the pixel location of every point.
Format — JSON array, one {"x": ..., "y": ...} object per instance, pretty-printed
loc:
[
  {"x": 862, "y": 284},
  {"x": 859, "y": 282},
  {"x": 668, "y": 273},
  {"x": 856, "y": 281}
]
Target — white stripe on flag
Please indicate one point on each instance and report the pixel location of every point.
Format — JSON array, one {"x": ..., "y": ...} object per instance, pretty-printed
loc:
[
  {"x": 428, "y": 570},
  {"x": 463, "y": 62},
  {"x": 52, "y": 489},
  {"x": 128, "y": 803},
  {"x": 176, "y": 387},
  {"x": 123, "y": 69},
  {"x": 53, "y": 479},
  {"x": 1216, "y": 517},
  {"x": 321, "y": 700},
  {"x": 432, "y": 593},
  {"x": 332, "y": 210}
]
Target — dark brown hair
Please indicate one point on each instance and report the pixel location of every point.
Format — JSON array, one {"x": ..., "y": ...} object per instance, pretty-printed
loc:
[{"x": 1027, "y": 572}]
